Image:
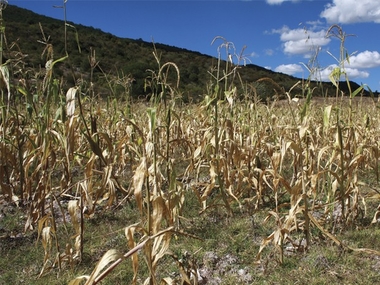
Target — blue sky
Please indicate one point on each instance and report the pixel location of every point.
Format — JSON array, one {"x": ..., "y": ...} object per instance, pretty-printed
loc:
[{"x": 282, "y": 35}]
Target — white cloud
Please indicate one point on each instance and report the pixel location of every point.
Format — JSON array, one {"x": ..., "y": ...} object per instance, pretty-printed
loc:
[
  {"x": 304, "y": 47},
  {"x": 352, "y": 73},
  {"x": 352, "y": 11},
  {"x": 289, "y": 68},
  {"x": 278, "y": 2},
  {"x": 278, "y": 31},
  {"x": 275, "y": 2},
  {"x": 315, "y": 24},
  {"x": 365, "y": 59},
  {"x": 254, "y": 54},
  {"x": 304, "y": 35},
  {"x": 269, "y": 52},
  {"x": 301, "y": 41},
  {"x": 356, "y": 73}
]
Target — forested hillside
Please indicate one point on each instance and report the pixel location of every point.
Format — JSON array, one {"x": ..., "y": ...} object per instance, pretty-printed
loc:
[{"x": 103, "y": 58}]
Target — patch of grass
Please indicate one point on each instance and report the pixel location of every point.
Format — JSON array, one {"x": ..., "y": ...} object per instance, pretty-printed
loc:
[{"x": 236, "y": 236}]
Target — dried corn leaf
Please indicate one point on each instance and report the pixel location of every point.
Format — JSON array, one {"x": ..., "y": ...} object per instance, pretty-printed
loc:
[
  {"x": 377, "y": 215},
  {"x": 264, "y": 243},
  {"x": 138, "y": 182},
  {"x": 4, "y": 80},
  {"x": 325, "y": 232},
  {"x": 326, "y": 117},
  {"x": 44, "y": 221},
  {"x": 46, "y": 239},
  {"x": 73, "y": 208},
  {"x": 230, "y": 192},
  {"x": 110, "y": 256},
  {"x": 168, "y": 281},
  {"x": 197, "y": 152},
  {"x": 70, "y": 101},
  {"x": 78, "y": 280},
  {"x": 158, "y": 205},
  {"x": 129, "y": 233},
  {"x": 108, "y": 140},
  {"x": 160, "y": 247},
  {"x": 292, "y": 145}
]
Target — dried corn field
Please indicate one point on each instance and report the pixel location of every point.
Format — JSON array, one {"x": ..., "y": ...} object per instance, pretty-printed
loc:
[
  {"x": 298, "y": 173},
  {"x": 305, "y": 165}
]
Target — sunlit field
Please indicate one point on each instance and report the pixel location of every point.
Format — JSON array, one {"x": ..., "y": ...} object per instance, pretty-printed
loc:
[{"x": 231, "y": 190}]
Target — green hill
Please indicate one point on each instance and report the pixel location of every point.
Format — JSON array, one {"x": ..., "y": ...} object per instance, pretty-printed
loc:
[{"x": 29, "y": 38}]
